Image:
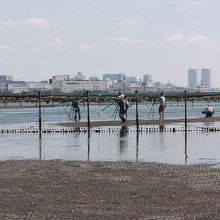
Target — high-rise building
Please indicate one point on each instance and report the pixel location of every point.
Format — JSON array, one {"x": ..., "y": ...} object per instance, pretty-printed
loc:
[
  {"x": 147, "y": 81},
  {"x": 113, "y": 77},
  {"x": 131, "y": 79},
  {"x": 80, "y": 76},
  {"x": 206, "y": 77},
  {"x": 94, "y": 78},
  {"x": 147, "y": 77},
  {"x": 6, "y": 78},
  {"x": 158, "y": 84},
  {"x": 192, "y": 78}
]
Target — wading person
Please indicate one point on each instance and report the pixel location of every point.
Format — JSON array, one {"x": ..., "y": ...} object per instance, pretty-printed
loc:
[
  {"x": 123, "y": 108},
  {"x": 208, "y": 111},
  {"x": 76, "y": 109},
  {"x": 162, "y": 105}
]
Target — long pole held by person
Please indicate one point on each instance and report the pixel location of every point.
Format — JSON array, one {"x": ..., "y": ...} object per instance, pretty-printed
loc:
[{"x": 108, "y": 106}]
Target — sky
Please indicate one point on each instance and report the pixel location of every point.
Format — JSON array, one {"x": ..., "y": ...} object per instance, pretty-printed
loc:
[{"x": 164, "y": 38}]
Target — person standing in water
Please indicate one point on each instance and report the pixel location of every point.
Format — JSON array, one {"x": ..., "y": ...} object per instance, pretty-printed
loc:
[
  {"x": 123, "y": 107},
  {"x": 76, "y": 109},
  {"x": 162, "y": 105}
]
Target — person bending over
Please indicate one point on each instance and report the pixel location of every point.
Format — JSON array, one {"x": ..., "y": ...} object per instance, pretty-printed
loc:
[{"x": 209, "y": 111}]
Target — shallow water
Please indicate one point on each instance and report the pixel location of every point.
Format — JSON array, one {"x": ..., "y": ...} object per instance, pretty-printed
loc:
[
  {"x": 25, "y": 117},
  {"x": 162, "y": 147}
]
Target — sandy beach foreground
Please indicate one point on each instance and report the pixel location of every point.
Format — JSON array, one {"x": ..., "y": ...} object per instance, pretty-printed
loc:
[{"x": 104, "y": 190}]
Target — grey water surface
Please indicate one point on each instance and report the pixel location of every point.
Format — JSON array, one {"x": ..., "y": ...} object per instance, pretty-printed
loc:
[
  {"x": 161, "y": 147},
  {"x": 26, "y": 116}
]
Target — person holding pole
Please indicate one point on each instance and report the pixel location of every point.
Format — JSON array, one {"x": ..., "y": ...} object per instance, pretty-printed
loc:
[
  {"x": 162, "y": 105},
  {"x": 76, "y": 109},
  {"x": 123, "y": 107}
]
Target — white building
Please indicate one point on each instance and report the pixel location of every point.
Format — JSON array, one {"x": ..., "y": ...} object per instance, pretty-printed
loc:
[
  {"x": 125, "y": 86},
  {"x": 64, "y": 84},
  {"x": 38, "y": 86},
  {"x": 17, "y": 87},
  {"x": 58, "y": 81},
  {"x": 82, "y": 85}
]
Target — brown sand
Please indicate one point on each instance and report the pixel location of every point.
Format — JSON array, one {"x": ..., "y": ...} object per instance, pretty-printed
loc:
[
  {"x": 141, "y": 122},
  {"x": 39, "y": 190}
]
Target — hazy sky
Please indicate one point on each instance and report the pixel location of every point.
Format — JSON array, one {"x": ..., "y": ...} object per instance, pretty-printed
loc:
[{"x": 41, "y": 38}]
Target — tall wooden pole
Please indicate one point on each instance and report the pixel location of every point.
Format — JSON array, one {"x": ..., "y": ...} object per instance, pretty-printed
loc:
[
  {"x": 185, "y": 96},
  {"x": 88, "y": 114},
  {"x": 185, "y": 127},
  {"x": 137, "y": 119},
  {"x": 39, "y": 107}
]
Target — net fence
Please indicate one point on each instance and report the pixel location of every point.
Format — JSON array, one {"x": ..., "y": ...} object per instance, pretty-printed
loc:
[{"x": 24, "y": 112}]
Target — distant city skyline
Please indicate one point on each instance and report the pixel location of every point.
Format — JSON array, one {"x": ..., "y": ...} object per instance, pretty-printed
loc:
[
  {"x": 206, "y": 77},
  {"x": 193, "y": 78},
  {"x": 162, "y": 38},
  {"x": 201, "y": 77}
]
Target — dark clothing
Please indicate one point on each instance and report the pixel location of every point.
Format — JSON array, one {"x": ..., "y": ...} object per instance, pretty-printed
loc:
[
  {"x": 76, "y": 109},
  {"x": 209, "y": 111},
  {"x": 75, "y": 104},
  {"x": 123, "y": 107},
  {"x": 209, "y": 114}
]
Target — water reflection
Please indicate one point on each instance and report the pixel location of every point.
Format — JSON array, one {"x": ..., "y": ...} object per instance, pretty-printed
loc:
[
  {"x": 137, "y": 145},
  {"x": 40, "y": 147},
  {"x": 88, "y": 154},
  {"x": 122, "y": 144},
  {"x": 185, "y": 151},
  {"x": 162, "y": 127},
  {"x": 123, "y": 141},
  {"x": 209, "y": 124}
]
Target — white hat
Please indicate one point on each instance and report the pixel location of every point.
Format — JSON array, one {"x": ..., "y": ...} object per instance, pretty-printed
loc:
[{"x": 121, "y": 96}]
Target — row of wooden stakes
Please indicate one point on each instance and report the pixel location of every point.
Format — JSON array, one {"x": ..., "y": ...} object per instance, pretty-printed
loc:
[{"x": 110, "y": 130}]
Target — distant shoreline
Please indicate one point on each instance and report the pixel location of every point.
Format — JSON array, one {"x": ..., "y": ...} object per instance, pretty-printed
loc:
[{"x": 17, "y": 105}]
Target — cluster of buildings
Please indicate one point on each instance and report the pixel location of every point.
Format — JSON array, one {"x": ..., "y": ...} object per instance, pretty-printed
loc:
[
  {"x": 199, "y": 83},
  {"x": 8, "y": 85},
  {"x": 109, "y": 82}
]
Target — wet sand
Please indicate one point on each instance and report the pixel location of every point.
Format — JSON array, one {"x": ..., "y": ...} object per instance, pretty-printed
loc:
[
  {"x": 38, "y": 190},
  {"x": 141, "y": 122}
]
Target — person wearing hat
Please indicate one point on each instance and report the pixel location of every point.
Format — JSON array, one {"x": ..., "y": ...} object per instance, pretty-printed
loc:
[
  {"x": 123, "y": 107},
  {"x": 162, "y": 105}
]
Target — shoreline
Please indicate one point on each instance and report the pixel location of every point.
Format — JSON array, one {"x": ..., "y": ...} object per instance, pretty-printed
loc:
[
  {"x": 107, "y": 190},
  {"x": 16, "y": 105},
  {"x": 141, "y": 122}
]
